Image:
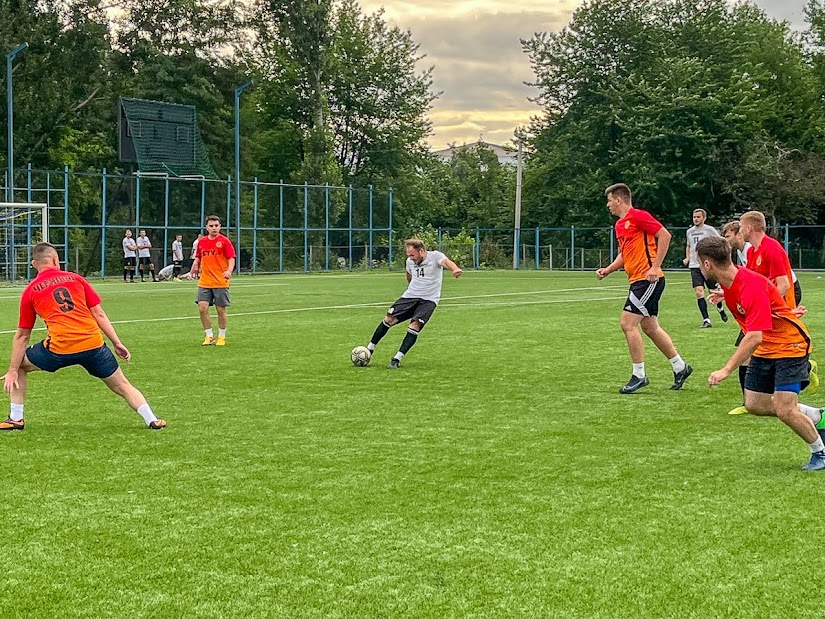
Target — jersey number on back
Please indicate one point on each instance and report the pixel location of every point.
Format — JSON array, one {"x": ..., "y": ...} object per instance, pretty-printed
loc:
[{"x": 64, "y": 299}]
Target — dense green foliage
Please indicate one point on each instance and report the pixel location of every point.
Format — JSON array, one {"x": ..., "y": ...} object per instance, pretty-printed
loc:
[{"x": 693, "y": 104}]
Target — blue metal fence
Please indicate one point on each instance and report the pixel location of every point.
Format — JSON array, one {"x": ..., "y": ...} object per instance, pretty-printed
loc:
[{"x": 287, "y": 227}]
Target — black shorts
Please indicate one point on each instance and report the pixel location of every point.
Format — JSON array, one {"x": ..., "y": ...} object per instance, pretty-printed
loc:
[
  {"x": 177, "y": 263},
  {"x": 643, "y": 298},
  {"x": 766, "y": 375},
  {"x": 697, "y": 279},
  {"x": 145, "y": 261},
  {"x": 420, "y": 310},
  {"x": 129, "y": 261},
  {"x": 797, "y": 292},
  {"x": 99, "y": 362}
]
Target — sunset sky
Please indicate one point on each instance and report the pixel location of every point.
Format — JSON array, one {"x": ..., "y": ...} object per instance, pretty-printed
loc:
[{"x": 479, "y": 65}]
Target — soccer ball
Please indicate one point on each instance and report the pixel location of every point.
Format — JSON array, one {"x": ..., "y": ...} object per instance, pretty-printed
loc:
[{"x": 360, "y": 356}]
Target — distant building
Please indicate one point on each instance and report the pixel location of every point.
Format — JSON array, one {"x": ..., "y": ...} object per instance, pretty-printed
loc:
[{"x": 505, "y": 155}]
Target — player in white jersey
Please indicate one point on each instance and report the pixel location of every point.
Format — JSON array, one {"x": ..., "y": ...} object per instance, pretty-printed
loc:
[
  {"x": 129, "y": 257},
  {"x": 144, "y": 246},
  {"x": 177, "y": 256},
  {"x": 424, "y": 277},
  {"x": 698, "y": 231}
]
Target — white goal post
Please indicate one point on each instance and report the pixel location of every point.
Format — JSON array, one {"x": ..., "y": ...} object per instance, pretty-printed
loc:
[{"x": 22, "y": 225}]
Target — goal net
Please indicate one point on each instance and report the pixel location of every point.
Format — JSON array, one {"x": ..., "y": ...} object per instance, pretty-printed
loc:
[{"x": 22, "y": 226}]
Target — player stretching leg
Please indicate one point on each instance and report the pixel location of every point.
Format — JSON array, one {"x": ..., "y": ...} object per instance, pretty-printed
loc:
[
  {"x": 71, "y": 310},
  {"x": 424, "y": 278}
]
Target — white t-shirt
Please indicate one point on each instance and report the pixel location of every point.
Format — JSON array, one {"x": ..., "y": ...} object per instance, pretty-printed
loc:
[
  {"x": 166, "y": 272},
  {"x": 694, "y": 235},
  {"x": 426, "y": 277},
  {"x": 143, "y": 245},
  {"x": 177, "y": 250},
  {"x": 128, "y": 247},
  {"x": 194, "y": 249}
]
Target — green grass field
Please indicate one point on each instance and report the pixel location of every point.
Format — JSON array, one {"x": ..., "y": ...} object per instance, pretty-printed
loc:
[{"x": 498, "y": 473}]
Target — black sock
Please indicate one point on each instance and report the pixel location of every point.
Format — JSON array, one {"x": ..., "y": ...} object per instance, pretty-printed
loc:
[
  {"x": 380, "y": 332},
  {"x": 720, "y": 308},
  {"x": 175, "y": 271},
  {"x": 125, "y": 274},
  {"x": 409, "y": 340},
  {"x": 743, "y": 370},
  {"x": 703, "y": 307},
  {"x": 153, "y": 274}
]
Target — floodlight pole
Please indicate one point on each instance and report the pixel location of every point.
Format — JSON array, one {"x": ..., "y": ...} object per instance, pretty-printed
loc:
[
  {"x": 238, "y": 92},
  {"x": 10, "y": 120},
  {"x": 517, "y": 229}
]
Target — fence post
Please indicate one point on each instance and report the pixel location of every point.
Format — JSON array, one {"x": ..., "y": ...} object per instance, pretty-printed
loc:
[
  {"x": 516, "y": 248},
  {"x": 550, "y": 255},
  {"x": 137, "y": 202},
  {"x": 572, "y": 261},
  {"x": 439, "y": 238},
  {"x": 228, "y": 200},
  {"x": 281, "y": 229},
  {"x": 326, "y": 227},
  {"x": 66, "y": 212},
  {"x": 538, "y": 260},
  {"x": 306, "y": 226},
  {"x": 612, "y": 250},
  {"x": 350, "y": 227},
  {"x": 29, "y": 222},
  {"x": 477, "y": 251},
  {"x": 389, "y": 234},
  {"x": 104, "y": 203},
  {"x": 787, "y": 239},
  {"x": 255, "y": 225},
  {"x": 165, "y": 222},
  {"x": 203, "y": 204},
  {"x": 369, "y": 253}
]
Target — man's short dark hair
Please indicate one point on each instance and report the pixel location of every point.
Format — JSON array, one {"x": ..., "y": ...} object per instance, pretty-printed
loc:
[
  {"x": 41, "y": 250},
  {"x": 716, "y": 249},
  {"x": 213, "y": 218},
  {"x": 619, "y": 190}
]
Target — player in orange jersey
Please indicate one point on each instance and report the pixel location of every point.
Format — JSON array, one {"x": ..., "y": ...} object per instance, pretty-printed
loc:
[
  {"x": 71, "y": 310},
  {"x": 215, "y": 261},
  {"x": 776, "y": 342},
  {"x": 643, "y": 243}
]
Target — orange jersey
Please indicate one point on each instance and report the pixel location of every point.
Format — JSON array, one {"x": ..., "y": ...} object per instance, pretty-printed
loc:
[
  {"x": 771, "y": 261},
  {"x": 214, "y": 255},
  {"x": 637, "y": 243},
  {"x": 64, "y": 301},
  {"x": 757, "y": 306}
]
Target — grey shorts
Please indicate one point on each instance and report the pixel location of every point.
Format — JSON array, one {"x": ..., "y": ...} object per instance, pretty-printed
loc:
[{"x": 214, "y": 296}]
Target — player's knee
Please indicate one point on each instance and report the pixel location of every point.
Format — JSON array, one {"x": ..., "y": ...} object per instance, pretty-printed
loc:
[
  {"x": 416, "y": 325},
  {"x": 390, "y": 321}
]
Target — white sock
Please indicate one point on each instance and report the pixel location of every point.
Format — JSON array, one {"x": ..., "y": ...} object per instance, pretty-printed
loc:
[
  {"x": 221, "y": 332},
  {"x": 399, "y": 355},
  {"x": 146, "y": 412},
  {"x": 371, "y": 347},
  {"x": 678, "y": 363},
  {"x": 639, "y": 370},
  {"x": 209, "y": 333},
  {"x": 817, "y": 445},
  {"x": 16, "y": 412},
  {"x": 811, "y": 412}
]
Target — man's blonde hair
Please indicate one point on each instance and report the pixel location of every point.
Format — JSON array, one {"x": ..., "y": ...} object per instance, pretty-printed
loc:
[
  {"x": 755, "y": 219},
  {"x": 731, "y": 226},
  {"x": 415, "y": 244},
  {"x": 620, "y": 191}
]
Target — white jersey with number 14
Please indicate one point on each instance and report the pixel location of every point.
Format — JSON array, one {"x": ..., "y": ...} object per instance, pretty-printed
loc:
[{"x": 426, "y": 277}]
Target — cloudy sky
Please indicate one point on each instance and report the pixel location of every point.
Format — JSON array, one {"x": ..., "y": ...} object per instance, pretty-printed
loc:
[{"x": 479, "y": 65}]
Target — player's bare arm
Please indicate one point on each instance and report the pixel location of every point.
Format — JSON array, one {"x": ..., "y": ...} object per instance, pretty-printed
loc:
[
  {"x": 746, "y": 348},
  {"x": 452, "y": 266},
  {"x": 662, "y": 244},
  {"x": 409, "y": 276},
  {"x": 109, "y": 331},
  {"x": 193, "y": 272},
  {"x": 230, "y": 268},
  {"x": 686, "y": 261},
  {"x": 18, "y": 353},
  {"x": 783, "y": 284},
  {"x": 614, "y": 266}
]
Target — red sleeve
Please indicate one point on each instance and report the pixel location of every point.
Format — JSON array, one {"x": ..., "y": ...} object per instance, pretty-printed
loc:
[
  {"x": 646, "y": 222},
  {"x": 756, "y": 302},
  {"x": 92, "y": 298},
  {"x": 27, "y": 313},
  {"x": 777, "y": 259},
  {"x": 229, "y": 250}
]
